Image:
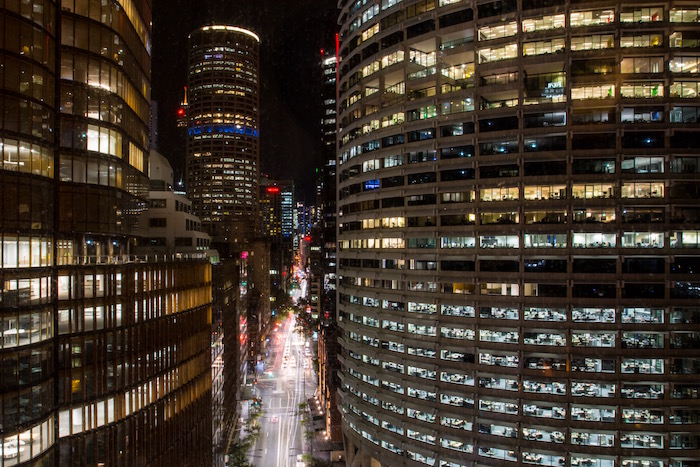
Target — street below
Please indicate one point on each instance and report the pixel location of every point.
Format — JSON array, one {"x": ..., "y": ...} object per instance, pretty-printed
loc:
[{"x": 286, "y": 381}]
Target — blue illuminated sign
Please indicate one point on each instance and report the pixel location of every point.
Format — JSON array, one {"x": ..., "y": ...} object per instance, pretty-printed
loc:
[
  {"x": 227, "y": 129},
  {"x": 372, "y": 184}
]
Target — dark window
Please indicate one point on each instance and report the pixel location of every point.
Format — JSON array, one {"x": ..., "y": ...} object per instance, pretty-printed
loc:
[
  {"x": 456, "y": 18},
  {"x": 689, "y": 265},
  {"x": 456, "y": 152},
  {"x": 498, "y": 266},
  {"x": 420, "y": 28},
  {"x": 425, "y": 177},
  {"x": 643, "y": 215},
  {"x": 593, "y": 116},
  {"x": 551, "y": 290},
  {"x": 455, "y": 219},
  {"x": 594, "y": 265},
  {"x": 535, "y": 169},
  {"x": 593, "y": 166},
  {"x": 594, "y": 290},
  {"x": 389, "y": 182},
  {"x": 456, "y": 174},
  {"x": 422, "y": 221},
  {"x": 498, "y": 171},
  {"x": 643, "y": 139},
  {"x": 457, "y": 265},
  {"x": 534, "y": 4},
  {"x": 354, "y": 61},
  {"x": 392, "y": 202},
  {"x": 643, "y": 291},
  {"x": 498, "y": 147},
  {"x": 421, "y": 135},
  {"x": 183, "y": 241},
  {"x": 370, "y": 263},
  {"x": 545, "y": 265},
  {"x": 157, "y": 222},
  {"x": 392, "y": 140},
  {"x": 593, "y": 141},
  {"x": 643, "y": 265},
  {"x": 351, "y": 226},
  {"x": 549, "y": 143},
  {"x": 684, "y": 139},
  {"x": 370, "y": 50},
  {"x": 421, "y": 156},
  {"x": 394, "y": 38},
  {"x": 498, "y": 124},
  {"x": 497, "y": 8}
]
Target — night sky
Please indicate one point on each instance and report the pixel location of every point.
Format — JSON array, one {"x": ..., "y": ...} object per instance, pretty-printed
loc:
[{"x": 292, "y": 34}]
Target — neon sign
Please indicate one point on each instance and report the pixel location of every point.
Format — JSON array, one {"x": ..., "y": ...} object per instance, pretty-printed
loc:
[{"x": 226, "y": 129}]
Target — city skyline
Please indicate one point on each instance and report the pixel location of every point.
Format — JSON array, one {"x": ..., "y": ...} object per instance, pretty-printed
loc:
[
  {"x": 289, "y": 54},
  {"x": 457, "y": 233}
]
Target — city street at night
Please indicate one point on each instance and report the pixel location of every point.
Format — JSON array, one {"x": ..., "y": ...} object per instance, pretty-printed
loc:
[{"x": 287, "y": 381}]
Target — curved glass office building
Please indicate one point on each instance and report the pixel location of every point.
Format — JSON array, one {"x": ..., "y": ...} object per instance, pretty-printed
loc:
[
  {"x": 519, "y": 232},
  {"x": 105, "y": 359},
  {"x": 223, "y": 125}
]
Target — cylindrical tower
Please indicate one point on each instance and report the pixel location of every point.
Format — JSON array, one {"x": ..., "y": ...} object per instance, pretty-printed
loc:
[
  {"x": 519, "y": 232},
  {"x": 223, "y": 131}
]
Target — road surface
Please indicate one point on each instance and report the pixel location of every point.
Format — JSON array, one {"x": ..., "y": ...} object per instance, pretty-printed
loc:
[{"x": 288, "y": 380}]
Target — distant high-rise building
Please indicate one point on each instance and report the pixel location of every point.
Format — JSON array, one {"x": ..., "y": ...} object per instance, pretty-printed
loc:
[
  {"x": 287, "y": 208},
  {"x": 276, "y": 200},
  {"x": 223, "y": 125},
  {"x": 328, "y": 348},
  {"x": 102, "y": 363},
  {"x": 519, "y": 233},
  {"x": 327, "y": 204}
]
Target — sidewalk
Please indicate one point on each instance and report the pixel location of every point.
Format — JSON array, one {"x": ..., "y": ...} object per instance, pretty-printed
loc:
[{"x": 320, "y": 446}]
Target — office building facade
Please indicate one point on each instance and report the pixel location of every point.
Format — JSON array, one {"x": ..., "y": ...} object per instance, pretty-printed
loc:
[
  {"x": 223, "y": 131},
  {"x": 518, "y": 233},
  {"x": 94, "y": 370}
]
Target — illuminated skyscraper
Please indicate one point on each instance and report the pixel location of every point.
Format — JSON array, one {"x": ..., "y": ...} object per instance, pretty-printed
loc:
[
  {"x": 94, "y": 367},
  {"x": 223, "y": 125},
  {"x": 519, "y": 233}
]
